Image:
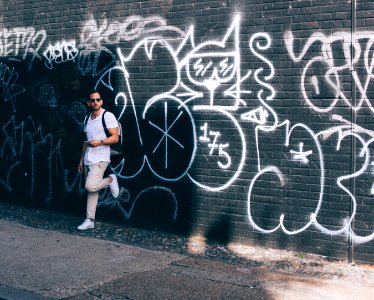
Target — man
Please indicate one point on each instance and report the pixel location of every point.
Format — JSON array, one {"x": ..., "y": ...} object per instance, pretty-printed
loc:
[{"x": 95, "y": 156}]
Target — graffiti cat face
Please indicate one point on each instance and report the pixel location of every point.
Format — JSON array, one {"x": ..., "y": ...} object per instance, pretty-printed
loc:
[{"x": 211, "y": 68}]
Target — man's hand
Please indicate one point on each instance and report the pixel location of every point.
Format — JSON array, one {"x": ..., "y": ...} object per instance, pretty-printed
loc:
[
  {"x": 80, "y": 166},
  {"x": 94, "y": 143}
]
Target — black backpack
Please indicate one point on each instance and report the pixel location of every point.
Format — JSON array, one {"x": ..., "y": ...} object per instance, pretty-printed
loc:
[{"x": 115, "y": 149}]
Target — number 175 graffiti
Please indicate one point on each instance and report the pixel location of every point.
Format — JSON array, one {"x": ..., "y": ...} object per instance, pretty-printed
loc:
[{"x": 212, "y": 140}]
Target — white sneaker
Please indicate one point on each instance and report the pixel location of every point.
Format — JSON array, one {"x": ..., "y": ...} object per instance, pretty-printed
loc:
[
  {"x": 114, "y": 188},
  {"x": 87, "y": 224}
]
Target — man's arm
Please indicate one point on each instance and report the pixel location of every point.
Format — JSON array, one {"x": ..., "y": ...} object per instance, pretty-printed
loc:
[
  {"x": 81, "y": 161},
  {"x": 113, "y": 137}
]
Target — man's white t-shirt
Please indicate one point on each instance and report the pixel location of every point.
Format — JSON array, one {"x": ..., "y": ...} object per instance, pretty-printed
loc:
[{"x": 95, "y": 131}]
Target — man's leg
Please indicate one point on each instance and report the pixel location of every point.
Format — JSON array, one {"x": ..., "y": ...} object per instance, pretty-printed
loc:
[{"x": 94, "y": 183}]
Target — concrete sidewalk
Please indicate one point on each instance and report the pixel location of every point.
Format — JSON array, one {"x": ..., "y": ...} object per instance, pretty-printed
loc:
[
  {"x": 45, "y": 264},
  {"x": 59, "y": 265}
]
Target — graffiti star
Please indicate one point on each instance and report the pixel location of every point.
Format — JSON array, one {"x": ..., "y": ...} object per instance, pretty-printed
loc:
[
  {"x": 165, "y": 132},
  {"x": 301, "y": 155}
]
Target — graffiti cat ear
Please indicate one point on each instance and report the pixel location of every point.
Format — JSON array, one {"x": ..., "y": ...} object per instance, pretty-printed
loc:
[
  {"x": 188, "y": 42},
  {"x": 232, "y": 34}
]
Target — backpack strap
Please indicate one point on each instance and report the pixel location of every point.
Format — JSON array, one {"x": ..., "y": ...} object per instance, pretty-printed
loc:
[{"x": 104, "y": 124}]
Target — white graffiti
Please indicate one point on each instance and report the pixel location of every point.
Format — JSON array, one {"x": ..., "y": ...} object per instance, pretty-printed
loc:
[
  {"x": 264, "y": 114},
  {"x": 258, "y": 115},
  {"x": 205, "y": 113},
  {"x": 60, "y": 53},
  {"x": 165, "y": 132},
  {"x": 267, "y": 62},
  {"x": 330, "y": 62},
  {"x": 21, "y": 41},
  {"x": 300, "y": 155},
  {"x": 310, "y": 155},
  {"x": 129, "y": 29},
  {"x": 296, "y": 132},
  {"x": 322, "y": 88},
  {"x": 228, "y": 154},
  {"x": 211, "y": 66},
  {"x": 180, "y": 110},
  {"x": 95, "y": 58},
  {"x": 214, "y": 135},
  {"x": 181, "y": 114}
]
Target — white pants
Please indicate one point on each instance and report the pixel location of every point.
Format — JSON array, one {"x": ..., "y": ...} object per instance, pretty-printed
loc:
[{"x": 94, "y": 183}]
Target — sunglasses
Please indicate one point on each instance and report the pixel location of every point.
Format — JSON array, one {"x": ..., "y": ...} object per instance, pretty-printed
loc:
[{"x": 93, "y": 100}]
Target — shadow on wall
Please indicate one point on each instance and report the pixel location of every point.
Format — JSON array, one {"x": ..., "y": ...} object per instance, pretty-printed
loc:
[
  {"x": 148, "y": 204},
  {"x": 220, "y": 232}
]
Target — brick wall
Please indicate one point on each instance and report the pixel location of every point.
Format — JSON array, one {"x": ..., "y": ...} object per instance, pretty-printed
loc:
[{"x": 244, "y": 121}]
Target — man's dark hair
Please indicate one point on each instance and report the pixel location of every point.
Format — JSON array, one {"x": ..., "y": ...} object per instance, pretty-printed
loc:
[{"x": 92, "y": 92}]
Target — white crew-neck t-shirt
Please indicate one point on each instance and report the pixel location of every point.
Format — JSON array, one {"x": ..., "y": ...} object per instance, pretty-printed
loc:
[{"x": 95, "y": 131}]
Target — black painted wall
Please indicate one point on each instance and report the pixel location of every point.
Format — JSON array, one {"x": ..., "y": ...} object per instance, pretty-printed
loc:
[{"x": 244, "y": 121}]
